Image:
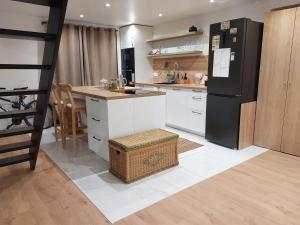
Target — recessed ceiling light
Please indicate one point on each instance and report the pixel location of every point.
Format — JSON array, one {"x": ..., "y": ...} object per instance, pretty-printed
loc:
[
  {"x": 212, "y": 1},
  {"x": 81, "y": 15},
  {"x": 160, "y": 15},
  {"x": 107, "y": 4}
]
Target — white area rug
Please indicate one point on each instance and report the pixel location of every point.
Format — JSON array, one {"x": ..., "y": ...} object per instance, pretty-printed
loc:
[{"x": 117, "y": 200}]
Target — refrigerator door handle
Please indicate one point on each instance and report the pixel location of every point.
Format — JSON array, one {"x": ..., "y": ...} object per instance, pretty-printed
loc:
[{"x": 223, "y": 36}]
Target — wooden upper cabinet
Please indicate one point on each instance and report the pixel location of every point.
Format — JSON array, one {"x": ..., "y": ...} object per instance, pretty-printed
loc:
[
  {"x": 274, "y": 72},
  {"x": 291, "y": 128}
]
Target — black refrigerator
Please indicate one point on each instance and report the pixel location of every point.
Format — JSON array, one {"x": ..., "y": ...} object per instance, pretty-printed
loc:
[
  {"x": 128, "y": 65},
  {"x": 233, "y": 74}
]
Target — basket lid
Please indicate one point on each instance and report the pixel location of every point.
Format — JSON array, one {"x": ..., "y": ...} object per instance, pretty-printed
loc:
[{"x": 143, "y": 139}]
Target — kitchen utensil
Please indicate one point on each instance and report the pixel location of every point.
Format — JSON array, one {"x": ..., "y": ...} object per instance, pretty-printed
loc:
[{"x": 198, "y": 78}]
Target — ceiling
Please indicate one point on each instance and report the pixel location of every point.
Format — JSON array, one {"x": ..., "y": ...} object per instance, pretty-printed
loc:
[{"x": 123, "y": 12}]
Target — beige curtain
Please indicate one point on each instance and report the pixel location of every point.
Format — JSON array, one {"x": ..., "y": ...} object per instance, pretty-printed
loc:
[
  {"x": 99, "y": 54},
  {"x": 86, "y": 55},
  {"x": 69, "y": 67}
]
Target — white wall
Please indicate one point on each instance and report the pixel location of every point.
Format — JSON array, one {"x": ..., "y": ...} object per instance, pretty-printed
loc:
[
  {"x": 19, "y": 51},
  {"x": 135, "y": 36},
  {"x": 254, "y": 11}
]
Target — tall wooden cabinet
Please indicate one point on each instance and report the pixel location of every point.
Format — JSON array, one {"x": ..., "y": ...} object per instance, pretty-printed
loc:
[
  {"x": 291, "y": 127},
  {"x": 277, "y": 124}
]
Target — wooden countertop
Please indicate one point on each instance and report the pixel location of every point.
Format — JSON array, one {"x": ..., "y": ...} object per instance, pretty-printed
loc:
[
  {"x": 96, "y": 92},
  {"x": 183, "y": 86}
]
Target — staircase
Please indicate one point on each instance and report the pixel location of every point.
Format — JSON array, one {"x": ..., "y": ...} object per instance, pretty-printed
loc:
[{"x": 52, "y": 41}]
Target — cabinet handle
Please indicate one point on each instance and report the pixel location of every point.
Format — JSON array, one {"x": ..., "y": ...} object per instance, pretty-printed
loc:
[
  {"x": 94, "y": 100},
  {"x": 199, "y": 91},
  {"x": 97, "y": 139},
  {"x": 96, "y": 120},
  {"x": 196, "y": 113},
  {"x": 197, "y": 98}
]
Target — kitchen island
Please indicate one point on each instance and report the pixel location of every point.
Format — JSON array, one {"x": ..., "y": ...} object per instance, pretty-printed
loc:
[{"x": 112, "y": 114}]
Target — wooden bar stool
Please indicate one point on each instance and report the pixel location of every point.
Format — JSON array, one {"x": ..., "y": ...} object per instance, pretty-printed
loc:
[
  {"x": 73, "y": 106},
  {"x": 58, "y": 115}
]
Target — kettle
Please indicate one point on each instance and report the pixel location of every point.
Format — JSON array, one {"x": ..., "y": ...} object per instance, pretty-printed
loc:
[{"x": 122, "y": 82}]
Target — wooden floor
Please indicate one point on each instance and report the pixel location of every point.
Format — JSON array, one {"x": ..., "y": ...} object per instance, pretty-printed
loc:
[
  {"x": 43, "y": 197},
  {"x": 262, "y": 191}
]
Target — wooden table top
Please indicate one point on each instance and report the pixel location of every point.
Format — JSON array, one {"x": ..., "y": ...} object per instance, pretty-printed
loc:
[
  {"x": 198, "y": 87},
  {"x": 97, "y": 92}
]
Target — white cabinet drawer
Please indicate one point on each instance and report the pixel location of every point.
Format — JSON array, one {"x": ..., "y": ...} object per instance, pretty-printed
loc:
[
  {"x": 197, "y": 103},
  {"x": 99, "y": 146},
  {"x": 196, "y": 121},
  {"x": 97, "y": 126},
  {"x": 196, "y": 100},
  {"x": 96, "y": 107},
  {"x": 198, "y": 93}
]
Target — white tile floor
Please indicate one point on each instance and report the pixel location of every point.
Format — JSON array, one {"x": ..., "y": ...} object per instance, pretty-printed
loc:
[{"x": 117, "y": 200}]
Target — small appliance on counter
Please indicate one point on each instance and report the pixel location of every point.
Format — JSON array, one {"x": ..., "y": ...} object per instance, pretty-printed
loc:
[{"x": 234, "y": 62}]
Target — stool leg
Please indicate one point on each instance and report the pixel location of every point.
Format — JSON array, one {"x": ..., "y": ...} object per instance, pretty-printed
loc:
[
  {"x": 55, "y": 123},
  {"x": 74, "y": 124},
  {"x": 80, "y": 121},
  {"x": 63, "y": 129}
]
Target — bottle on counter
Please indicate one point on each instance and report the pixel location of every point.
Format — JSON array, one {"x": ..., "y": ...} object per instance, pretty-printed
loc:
[{"x": 185, "y": 77}]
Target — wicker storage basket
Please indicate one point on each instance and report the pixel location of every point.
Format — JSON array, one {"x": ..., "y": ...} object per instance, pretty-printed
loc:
[{"x": 140, "y": 155}]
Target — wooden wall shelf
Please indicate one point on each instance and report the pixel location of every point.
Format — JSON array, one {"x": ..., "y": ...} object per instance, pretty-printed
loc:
[
  {"x": 177, "y": 55},
  {"x": 175, "y": 36}
]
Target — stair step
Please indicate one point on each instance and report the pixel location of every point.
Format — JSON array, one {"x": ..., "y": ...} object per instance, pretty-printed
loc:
[
  {"x": 27, "y": 35},
  {"x": 16, "y": 131},
  {"x": 24, "y": 67},
  {"x": 17, "y": 113},
  {"x": 52, "y": 38},
  {"x": 36, "y": 2},
  {"x": 22, "y": 92},
  {"x": 16, "y": 159},
  {"x": 15, "y": 146}
]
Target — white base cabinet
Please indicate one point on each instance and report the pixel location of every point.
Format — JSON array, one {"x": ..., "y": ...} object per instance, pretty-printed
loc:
[
  {"x": 117, "y": 118},
  {"x": 185, "y": 109}
]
